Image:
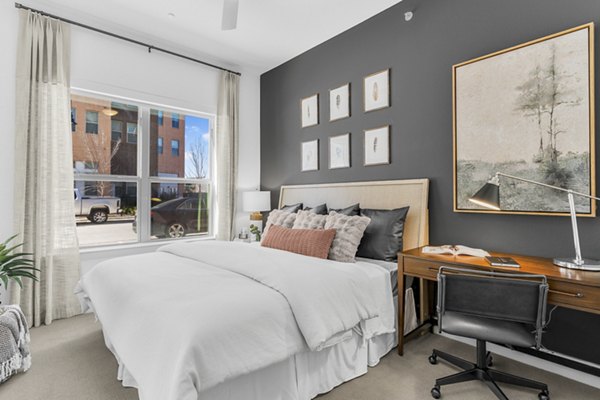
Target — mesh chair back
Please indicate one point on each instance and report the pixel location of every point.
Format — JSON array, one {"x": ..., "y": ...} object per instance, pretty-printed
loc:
[{"x": 510, "y": 297}]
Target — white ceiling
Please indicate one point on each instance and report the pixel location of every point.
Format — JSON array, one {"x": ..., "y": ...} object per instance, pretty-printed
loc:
[{"x": 269, "y": 32}]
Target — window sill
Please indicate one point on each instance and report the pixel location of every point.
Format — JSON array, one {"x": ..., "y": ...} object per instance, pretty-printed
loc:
[{"x": 138, "y": 245}]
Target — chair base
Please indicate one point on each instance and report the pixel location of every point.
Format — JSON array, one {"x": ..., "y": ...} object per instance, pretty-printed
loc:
[{"x": 481, "y": 371}]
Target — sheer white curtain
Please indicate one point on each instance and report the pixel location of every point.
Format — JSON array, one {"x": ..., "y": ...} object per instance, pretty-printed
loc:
[
  {"x": 44, "y": 216},
  {"x": 227, "y": 153}
]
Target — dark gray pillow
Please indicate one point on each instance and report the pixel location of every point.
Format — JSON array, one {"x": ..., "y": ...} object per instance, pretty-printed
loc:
[
  {"x": 292, "y": 208},
  {"x": 351, "y": 210},
  {"x": 321, "y": 209},
  {"x": 382, "y": 239}
]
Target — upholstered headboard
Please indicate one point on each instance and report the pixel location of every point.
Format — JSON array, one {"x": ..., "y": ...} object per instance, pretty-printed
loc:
[{"x": 376, "y": 194}]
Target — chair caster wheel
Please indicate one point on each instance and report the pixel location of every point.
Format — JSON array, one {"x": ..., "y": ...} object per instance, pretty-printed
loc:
[
  {"x": 435, "y": 392},
  {"x": 433, "y": 359},
  {"x": 544, "y": 395}
]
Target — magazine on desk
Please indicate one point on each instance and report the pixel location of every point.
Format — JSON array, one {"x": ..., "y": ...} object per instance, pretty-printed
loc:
[{"x": 455, "y": 250}]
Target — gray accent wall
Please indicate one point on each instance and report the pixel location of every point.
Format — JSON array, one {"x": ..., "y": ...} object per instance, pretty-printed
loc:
[{"x": 420, "y": 54}]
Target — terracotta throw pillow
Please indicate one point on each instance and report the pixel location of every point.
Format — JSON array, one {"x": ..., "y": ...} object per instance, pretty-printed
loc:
[
  {"x": 308, "y": 242},
  {"x": 349, "y": 232},
  {"x": 279, "y": 217}
]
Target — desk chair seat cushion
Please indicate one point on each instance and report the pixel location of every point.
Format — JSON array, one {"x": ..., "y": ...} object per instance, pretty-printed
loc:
[{"x": 488, "y": 329}]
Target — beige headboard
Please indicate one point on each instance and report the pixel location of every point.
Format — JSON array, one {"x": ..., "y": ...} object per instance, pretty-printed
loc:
[{"x": 376, "y": 194}]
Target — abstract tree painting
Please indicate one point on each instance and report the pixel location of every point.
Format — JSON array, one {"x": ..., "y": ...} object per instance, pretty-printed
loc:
[{"x": 527, "y": 111}]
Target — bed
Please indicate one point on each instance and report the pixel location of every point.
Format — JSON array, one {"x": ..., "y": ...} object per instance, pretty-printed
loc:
[{"x": 223, "y": 320}]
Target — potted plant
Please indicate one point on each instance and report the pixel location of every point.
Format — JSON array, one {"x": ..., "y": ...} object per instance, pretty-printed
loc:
[{"x": 15, "y": 265}]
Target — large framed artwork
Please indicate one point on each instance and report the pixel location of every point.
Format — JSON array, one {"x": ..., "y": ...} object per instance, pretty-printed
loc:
[{"x": 527, "y": 111}]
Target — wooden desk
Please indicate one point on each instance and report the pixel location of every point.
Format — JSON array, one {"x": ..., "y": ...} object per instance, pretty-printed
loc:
[{"x": 569, "y": 288}]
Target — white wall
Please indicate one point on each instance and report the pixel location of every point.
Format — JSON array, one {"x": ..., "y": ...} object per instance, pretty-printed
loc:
[{"x": 107, "y": 65}]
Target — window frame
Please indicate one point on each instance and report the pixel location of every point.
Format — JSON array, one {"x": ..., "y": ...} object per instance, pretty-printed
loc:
[
  {"x": 97, "y": 123},
  {"x": 173, "y": 148},
  {"x": 143, "y": 179},
  {"x": 112, "y": 131}
]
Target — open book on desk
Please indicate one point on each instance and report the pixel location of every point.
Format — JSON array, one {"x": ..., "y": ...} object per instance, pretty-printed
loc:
[{"x": 457, "y": 250}]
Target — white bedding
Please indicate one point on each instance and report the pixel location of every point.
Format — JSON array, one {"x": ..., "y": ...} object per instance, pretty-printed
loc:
[{"x": 194, "y": 315}]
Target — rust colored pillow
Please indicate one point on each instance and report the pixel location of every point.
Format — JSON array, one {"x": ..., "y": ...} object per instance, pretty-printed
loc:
[{"x": 308, "y": 242}]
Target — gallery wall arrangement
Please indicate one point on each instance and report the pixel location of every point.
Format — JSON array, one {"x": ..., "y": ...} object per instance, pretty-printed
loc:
[
  {"x": 376, "y": 143},
  {"x": 421, "y": 54}
]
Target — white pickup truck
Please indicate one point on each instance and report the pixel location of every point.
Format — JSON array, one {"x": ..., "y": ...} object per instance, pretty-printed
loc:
[{"x": 96, "y": 208}]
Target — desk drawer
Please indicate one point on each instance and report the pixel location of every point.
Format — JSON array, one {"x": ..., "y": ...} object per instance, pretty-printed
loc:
[
  {"x": 421, "y": 268},
  {"x": 585, "y": 298}
]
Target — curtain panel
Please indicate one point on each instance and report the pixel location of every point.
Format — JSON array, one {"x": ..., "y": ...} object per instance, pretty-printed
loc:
[
  {"x": 227, "y": 153},
  {"x": 43, "y": 193}
]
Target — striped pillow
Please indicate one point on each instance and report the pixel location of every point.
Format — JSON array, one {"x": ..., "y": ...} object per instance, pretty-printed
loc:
[{"x": 308, "y": 242}]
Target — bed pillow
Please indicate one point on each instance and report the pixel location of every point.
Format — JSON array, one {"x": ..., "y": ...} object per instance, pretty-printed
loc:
[
  {"x": 308, "y": 242},
  {"x": 321, "y": 209},
  {"x": 293, "y": 208},
  {"x": 383, "y": 237},
  {"x": 351, "y": 210},
  {"x": 309, "y": 220},
  {"x": 281, "y": 218},
  {"x": 349, "y": 231}
]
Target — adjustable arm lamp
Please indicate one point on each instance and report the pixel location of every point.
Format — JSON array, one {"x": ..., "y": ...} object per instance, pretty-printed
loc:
[{"x": 489, "y": 196}]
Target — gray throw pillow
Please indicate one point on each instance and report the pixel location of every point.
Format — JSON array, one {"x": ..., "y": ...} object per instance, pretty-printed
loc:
[
  {"x": 383, "y": 237},
  {"x": 320, "y": 209},
  {"x": 292, "y": 207},
  {"x": 309, "y": 220},
  {"x": 354, "y": 209},
  {"x": 349, "y": 232},
  {"x": 281, "y": 218}
]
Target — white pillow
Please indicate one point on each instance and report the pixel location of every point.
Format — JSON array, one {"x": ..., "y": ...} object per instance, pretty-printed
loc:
[
  {"x": 309, "y": 220},
  {"x": 349, "y": 232},
  {"x": 279, "y": 217}
]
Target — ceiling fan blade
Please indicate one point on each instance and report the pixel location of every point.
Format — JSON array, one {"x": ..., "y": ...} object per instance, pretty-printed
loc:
[{"x": 230, "y": 14}]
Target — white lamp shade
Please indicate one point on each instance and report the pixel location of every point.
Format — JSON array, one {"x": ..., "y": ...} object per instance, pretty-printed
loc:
[{"x": 256, "y": 201}]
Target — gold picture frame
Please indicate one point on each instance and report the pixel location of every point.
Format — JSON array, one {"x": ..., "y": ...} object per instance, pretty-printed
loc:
[
  {"x": 506, "y": 118},
  {"x": 343, "y": 98}
]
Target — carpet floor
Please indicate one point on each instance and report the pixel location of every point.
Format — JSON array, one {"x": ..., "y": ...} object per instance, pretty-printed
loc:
[{"x": 70, "y": 362}]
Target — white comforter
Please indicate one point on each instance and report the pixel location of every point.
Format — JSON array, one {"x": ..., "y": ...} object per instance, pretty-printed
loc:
[{"x": 192, "y": 315}]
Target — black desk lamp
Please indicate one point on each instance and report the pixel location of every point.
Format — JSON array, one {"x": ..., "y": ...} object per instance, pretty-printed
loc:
[{"x": 489, "y": 196}]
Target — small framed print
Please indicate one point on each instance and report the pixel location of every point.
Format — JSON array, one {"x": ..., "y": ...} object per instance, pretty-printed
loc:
[
  {"x": 339, "y": 102},
  {"x": 377, "y": 91},
  {"x": 377, "y": 146},
  {"x": 310, "y": 155},
  {"x": 309, "y": 107},
  {"x": 339, "y": 151}
]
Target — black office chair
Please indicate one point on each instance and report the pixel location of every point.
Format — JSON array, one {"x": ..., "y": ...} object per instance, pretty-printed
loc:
[{"x": 492, "y": 307}]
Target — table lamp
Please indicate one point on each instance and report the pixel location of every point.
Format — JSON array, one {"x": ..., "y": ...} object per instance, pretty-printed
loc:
[
  {"x": 489, "y": 196},
  {"x": 255, "y": 202}
]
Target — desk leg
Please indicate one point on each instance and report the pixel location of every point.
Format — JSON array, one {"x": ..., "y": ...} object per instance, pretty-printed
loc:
[
  {"x": 401, "y": 292},
  {"x": 424, "y": 300}
]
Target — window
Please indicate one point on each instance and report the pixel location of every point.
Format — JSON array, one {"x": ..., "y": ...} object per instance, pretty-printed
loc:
[
  {"x": 91, "y": 122},
  {"x": 73, "y": 119},
  {"x": 175, "y": 121},
  {"x": 131, "y": 132},
  {"x": 155, "y": 198},
  {"x": 175, "y": 147},
  {"x": 116, "y": 130}
]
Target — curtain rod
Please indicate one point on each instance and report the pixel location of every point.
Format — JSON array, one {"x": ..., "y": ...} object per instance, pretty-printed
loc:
[{"x": 149, "y": 46}]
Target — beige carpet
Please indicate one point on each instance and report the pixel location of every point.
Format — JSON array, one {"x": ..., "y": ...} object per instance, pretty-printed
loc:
[{"x": 70, "y": 362}]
